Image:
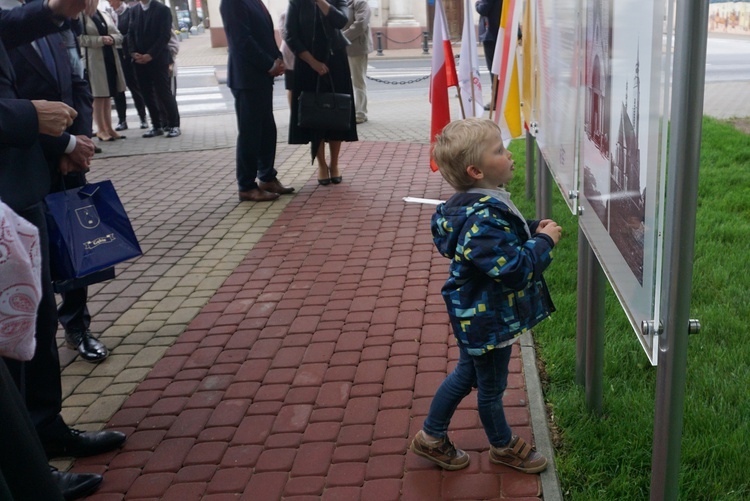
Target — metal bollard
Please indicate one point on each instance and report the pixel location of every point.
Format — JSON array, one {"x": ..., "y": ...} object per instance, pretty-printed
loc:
[
  {"x": 425, "y": 47},
  {"x": 380, "y": 42}
]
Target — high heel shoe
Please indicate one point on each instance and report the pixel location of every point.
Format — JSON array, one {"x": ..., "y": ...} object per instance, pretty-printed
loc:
[
  {"x": 325, "y": 182},
  {"x": 102, "y": 138},
  {"x": 337, "y": 179}
]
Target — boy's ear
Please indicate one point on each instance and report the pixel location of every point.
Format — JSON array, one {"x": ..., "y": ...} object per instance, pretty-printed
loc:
[{"x": 474, "y": 172}]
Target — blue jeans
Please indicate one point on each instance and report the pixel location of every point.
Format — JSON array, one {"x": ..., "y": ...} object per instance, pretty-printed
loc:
[{"x": 489, "y": 373}]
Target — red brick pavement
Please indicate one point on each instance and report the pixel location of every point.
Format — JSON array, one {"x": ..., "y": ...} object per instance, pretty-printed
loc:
[{"x": 307, "y": 373}]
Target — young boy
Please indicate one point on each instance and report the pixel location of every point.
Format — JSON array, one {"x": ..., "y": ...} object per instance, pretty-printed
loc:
[{"x": 495, "y": 291}]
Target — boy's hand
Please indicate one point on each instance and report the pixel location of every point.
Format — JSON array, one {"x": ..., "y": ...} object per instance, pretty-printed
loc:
[{"x": 551, "y": 229}]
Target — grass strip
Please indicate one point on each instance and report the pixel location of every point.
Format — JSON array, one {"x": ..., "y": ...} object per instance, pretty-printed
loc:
[{"x": 609, "y": 457}]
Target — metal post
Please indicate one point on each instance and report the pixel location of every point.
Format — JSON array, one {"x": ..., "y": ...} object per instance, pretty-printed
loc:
[
  {"x": 691, "y": 27},
  {"x": 543, "y": 188},
  {"x": 425, "y": 38},
  {"x": 530, "y": 145},
  {"x": 379, "y": 35},
  {"x": 594, "y": 333},
  {"x": 584, "y": 250}
]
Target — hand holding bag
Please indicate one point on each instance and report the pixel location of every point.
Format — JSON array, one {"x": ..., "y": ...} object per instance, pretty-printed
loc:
[
  {"x": 20, "y": 285},
  {"x": 89, "y": 231},
  {"x": 324, "y": 110}
]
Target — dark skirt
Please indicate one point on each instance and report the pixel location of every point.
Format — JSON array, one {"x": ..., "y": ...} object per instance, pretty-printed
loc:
[{"x": 305, "y": 79}]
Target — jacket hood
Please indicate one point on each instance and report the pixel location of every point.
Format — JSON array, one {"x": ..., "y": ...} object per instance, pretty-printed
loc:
[{"x": 451, "y": 216}]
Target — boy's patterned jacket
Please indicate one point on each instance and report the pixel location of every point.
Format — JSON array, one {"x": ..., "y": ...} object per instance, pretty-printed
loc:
[{"x": 495, "y": 291}]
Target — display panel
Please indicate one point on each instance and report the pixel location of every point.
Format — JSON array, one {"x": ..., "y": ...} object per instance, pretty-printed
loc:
[
  {"x": 622, "y": 153},
  {"x": 559, "y": 25}
]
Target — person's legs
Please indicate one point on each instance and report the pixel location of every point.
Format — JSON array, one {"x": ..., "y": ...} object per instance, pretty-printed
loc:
[
  {"x": 489, "y": 52},
  {"x": 505, "y": 448},
  {"x": 143, "y": 74},
  {"x": 453, "y": 389},
  {"x": 432, "y": 442},
  {"x": 99, "y": 120},
  {"x": 107, "y": 117},
  {"x": 73, "y": 313},
  {"x": 38, "y": 380},
  {"x": 163, "y": 91},
  {"x": 358, "y": 66},
  {"x": 249, "y": 139},
  {"x": 23, "y": 464},
  {"x": 320, "y": 156},
  {"x": 492, "y": 378},
  {"x": 121, "y": 106},
  {"x": 335, "y": 147},
  {"x": 267, "y": 154}
]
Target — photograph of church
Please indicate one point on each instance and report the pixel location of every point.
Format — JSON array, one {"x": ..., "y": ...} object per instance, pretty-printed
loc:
[
  {"x": 625, "y": 206},
  {"x": 597, "y": 104}
]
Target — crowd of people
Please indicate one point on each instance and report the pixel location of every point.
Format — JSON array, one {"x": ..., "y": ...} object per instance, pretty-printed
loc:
[
  {"x": 135, "y": 48},
  {"x": 324, "y": 50},
  {"x": 61, "y": 64}
]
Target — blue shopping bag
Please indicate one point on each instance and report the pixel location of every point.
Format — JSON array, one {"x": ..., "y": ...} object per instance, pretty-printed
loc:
[{"x": 89, "y": 231}]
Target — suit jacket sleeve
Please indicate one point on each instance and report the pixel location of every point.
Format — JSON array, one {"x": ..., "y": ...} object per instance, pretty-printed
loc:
[
  {"x": 293, "y": 29},
  {"x": 25, "y": 24},
  {"x": 19, "y": 125},
  {"x": 361, "y": 20},
  {"x": 243, "y": 38}
]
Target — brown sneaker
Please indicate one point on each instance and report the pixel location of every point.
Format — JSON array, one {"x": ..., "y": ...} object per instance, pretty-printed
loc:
[
  {"x": 444, "y": 454},
  {"x": 519, "y": 455}
]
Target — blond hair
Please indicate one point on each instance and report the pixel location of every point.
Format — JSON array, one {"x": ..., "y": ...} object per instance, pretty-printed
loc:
[{"x": 460, "y": 144}]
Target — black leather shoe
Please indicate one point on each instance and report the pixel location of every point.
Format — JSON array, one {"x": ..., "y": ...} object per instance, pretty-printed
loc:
[
  {"x": 144, "y": 123},
  {"x": 90, "y": 348},
  {"x": 81, "y": 444},
  {"x": 154, "y": 131},
  {"x": 122, "y": 126},
  {"x": 76, "y": 485}
]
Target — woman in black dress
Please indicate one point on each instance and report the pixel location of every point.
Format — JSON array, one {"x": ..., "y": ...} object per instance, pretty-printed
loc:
[{"x": 313, "y": 33}]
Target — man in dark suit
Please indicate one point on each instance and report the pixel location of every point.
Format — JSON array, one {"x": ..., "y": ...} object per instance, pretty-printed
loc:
[
  {"x": 254, "y": 60},
  {"x": 54, "y": 80},
  {"x": 148, "y": 39},
  {"x": 24, "y": 182},
  {"x": 123, "y": 11}
]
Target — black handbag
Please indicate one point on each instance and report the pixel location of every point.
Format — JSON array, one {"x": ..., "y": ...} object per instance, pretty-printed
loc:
[{"x": 324, "y": 110}]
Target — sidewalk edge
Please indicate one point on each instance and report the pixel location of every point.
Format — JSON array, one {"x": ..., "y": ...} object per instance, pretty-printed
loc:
[{"x": 550, "y": 483}]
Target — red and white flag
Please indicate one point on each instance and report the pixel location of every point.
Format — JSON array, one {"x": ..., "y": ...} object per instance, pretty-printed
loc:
[
  {"x": 468, "y": 67},
  {"x": 443, "y": 75}
]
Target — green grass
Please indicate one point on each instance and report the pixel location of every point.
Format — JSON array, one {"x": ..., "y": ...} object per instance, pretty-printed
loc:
[{"x": 609, "y": 457}]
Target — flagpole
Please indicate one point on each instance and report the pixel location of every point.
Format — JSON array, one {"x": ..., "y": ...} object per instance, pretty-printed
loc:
[
  {"x": 494, "y": 95},
  {"x": 460, "y": 101},
  {"x": 473, "y": 95}
]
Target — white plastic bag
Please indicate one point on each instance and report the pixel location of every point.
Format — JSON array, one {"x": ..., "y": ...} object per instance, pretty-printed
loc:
[{"x": 20, "y": 284}]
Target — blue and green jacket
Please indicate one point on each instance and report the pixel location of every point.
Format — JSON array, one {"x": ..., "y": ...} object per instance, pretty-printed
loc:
[{"x": 495, "y": 291}]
